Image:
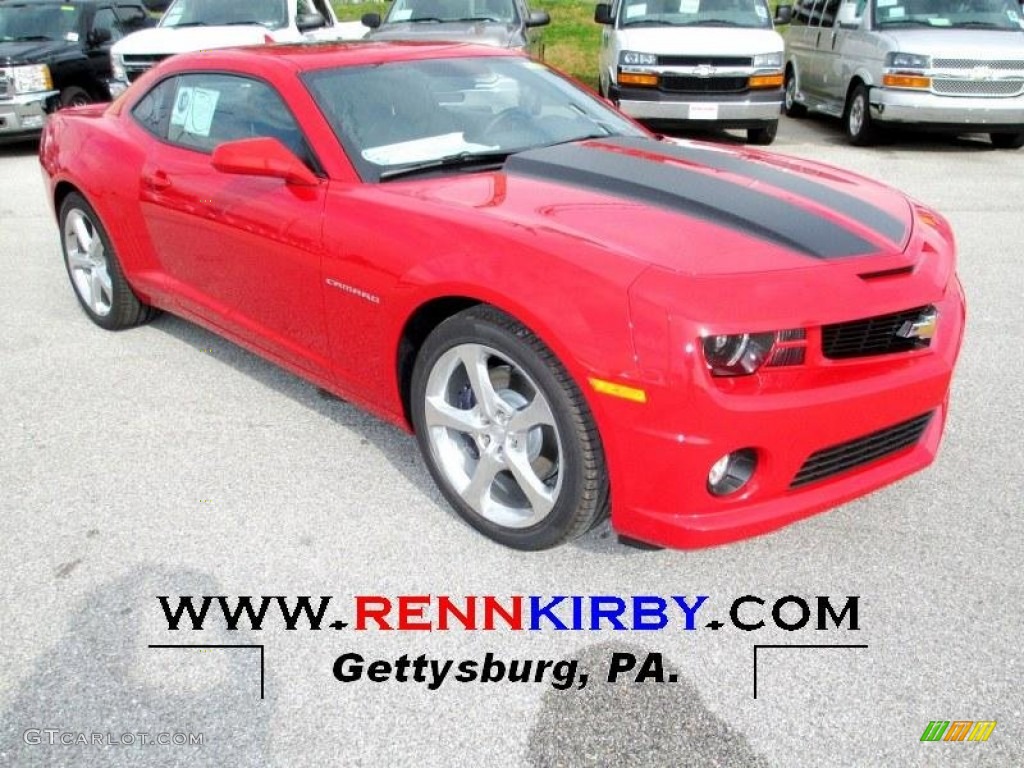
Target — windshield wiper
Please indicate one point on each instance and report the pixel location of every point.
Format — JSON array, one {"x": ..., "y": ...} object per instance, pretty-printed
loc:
[
  {"x": 653, "y": 23},
  {"x": 478, "y": 18},
  {"x": 425, "y": 18},
  {"x": 29, "y": 38},
  {"x": 459, "y": 160},
  {"x": 189, "y": 24},
  {"x": 242, "y": 24},
  {"x": 981, "y": 24}
]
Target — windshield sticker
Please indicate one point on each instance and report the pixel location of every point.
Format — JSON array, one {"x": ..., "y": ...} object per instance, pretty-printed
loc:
[
  {"x": 689, "y": 6},
  {"x": 896, "y": 13},
  {"x": 1012, "y": 16},
  {"x": 193, "y": 110},
  {"x": 68, "y": 8},
  {"x": 402, "y": 14},
  {"x": 886, "y": 3},
  {"x": 639, "y": 9},
  {"x": 762, "y": 12},
  {"x": 71, "y": 37},
  {"x": 937, "y": 22},
  {"x": 422, "y": 150}
]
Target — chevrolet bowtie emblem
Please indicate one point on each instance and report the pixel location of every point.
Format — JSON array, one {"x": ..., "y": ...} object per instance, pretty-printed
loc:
[
  {"x": 704, "y": 70},
  {"x": 922, "y": 328}
]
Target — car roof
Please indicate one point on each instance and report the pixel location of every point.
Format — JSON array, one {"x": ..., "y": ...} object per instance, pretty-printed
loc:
[{"x": 305, "y": 57}]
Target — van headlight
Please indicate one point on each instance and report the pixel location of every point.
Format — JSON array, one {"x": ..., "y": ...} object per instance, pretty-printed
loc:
[
  {"x": 30, "y": 78},
  {"x": 768, "y": 61},
  {"x": 897, "y": 60},
  {"x": 117, "y": 67}
]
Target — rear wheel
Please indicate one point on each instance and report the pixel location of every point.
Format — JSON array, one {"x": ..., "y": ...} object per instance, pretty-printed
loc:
[
  {"x": 506, "y": 432},
  {"x": 94, "y": 270},
  {"x": 860, "y": 129},
  {"x": 792, "y": 107},
  {"x": 1007, "y": 140},
  {"x": 764, "y": 134}
]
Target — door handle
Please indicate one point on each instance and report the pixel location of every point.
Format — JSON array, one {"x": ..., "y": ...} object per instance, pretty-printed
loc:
[{"x": 157, "y": 180}]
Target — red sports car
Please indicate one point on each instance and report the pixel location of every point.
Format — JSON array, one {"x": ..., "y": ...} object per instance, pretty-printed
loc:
[{"x": 575, "y": 317}]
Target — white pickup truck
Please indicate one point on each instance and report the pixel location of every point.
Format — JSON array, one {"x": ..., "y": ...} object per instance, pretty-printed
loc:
[{"x": 194, "y": 25}]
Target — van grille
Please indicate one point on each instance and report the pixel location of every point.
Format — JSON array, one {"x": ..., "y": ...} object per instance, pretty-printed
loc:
[
  {"x": 689, "y": 84},
  {"x": 978, "y": 87},
  {"x": 136, "y": 64},
  {"x": 1011, "y": 64},
  {"x": 829, "y": 462},
  {"x": 714, "y": 61}
]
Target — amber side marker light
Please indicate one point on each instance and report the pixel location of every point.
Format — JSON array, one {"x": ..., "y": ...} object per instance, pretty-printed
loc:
[
  {"x": 765, "y": 81},
  {"x": 906, "y": 81},
  {"x": 618, "y": 390},
  {"x": 634, "y": 78}
]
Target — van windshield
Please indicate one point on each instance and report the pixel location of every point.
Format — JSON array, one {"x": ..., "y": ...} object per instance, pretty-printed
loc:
[
  {"x": 975, "y": 14},
  {"x": 272, "y": 14},
  {"x": 695, "y": 13}
]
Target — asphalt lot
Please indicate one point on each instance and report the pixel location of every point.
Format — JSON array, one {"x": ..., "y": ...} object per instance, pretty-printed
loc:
[{"x": 165, "y": 461}]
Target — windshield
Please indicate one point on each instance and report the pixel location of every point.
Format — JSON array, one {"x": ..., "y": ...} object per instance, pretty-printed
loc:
[
  {"x": 271, "y": 14},
  {"x": 38, "y": 22},
  {"x": 451, "y": 10},
  {"x": 985, "y": 14},
  {"x": 695, "y": 13},
  {"x": 404, "y": 114}
]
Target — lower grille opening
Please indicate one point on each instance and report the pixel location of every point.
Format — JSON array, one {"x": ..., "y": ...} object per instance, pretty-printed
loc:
[{"x": 829, "y": 462}]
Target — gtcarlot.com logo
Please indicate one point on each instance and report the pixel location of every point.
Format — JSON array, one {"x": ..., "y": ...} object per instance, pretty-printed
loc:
[{"x": 958, "y": 730}]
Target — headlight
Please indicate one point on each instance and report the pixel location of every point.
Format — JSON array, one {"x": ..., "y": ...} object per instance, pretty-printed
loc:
[
  {"x": 740, "y": 354},
  {"x": 117, "y": 67},
  {"x": 31, "y": 78},
  {"x": 907, "y": 61},
  {"x": 768, "y": 61},
  {"x": 634, "y": 59}
]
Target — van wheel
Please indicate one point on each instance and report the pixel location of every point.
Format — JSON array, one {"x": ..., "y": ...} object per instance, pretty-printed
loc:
[
  {"x": 860, "y": 129},
  {"x": 1007, "y": 140},
  {"x": 793, "y": 109},
  {"x": 764, "y": 134},
  {"x": 73, "y": 96}
]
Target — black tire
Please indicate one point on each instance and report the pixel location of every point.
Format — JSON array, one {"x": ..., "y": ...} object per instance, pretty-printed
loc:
[
  {"x": 860, "y": 128},
  {"x": 521, "y": 373},
  {"x": 74, "y": 96},
  {"x": 792, "y": 107},
  {"x": 764, "y": 134},
  {"x": 1007, "y": 140},
  {"x": 95, "y": 272}
]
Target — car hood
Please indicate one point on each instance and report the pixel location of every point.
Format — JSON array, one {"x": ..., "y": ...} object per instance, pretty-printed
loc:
[
  {"x": 489, "y": 33},
  {"x": 170, "y": 40},
  {"x": 983, "y": 44},
  {"x": 685, "y": 206},
  {"x": 30, "y": 51},
  {"x": 699, "y": 41}
]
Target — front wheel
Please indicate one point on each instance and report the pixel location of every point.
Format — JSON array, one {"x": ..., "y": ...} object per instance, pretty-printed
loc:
[
  {"x": 860, "y": 129},
  {"x": 74, "y": 96},
  {"x": 791, "y": 105},
  {"x": 764, "y": 134},
  {"x": 506, "y": 432},
  {"x": 1007, "y": 140}
]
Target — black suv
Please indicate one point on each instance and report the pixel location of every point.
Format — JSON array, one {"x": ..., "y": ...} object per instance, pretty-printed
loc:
[{"x": 57, "y": 53}]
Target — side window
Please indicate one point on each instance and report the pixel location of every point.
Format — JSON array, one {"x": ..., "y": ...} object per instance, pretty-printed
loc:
[
  {"x": 105, "y": 19},
  {"x": 802, "y": 12},
  {"x": 828, "y": 12},
  {"x": 201, "y": 111}
]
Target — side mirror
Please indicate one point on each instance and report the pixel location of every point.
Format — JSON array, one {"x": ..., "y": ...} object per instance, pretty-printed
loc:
[
  {"x": 541, "y": 18},
  {"x": 603, "y": 14},
  {"x": 99, "y": 36},
  {"x": 784, "y": 14},
  {"x": 308, "y": 21},
  {"x": 264, "y": 156},
  {"x": 371, "y": 20}
]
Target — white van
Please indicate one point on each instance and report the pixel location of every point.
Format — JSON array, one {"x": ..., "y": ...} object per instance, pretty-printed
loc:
[{"x": 678, "y": 63}]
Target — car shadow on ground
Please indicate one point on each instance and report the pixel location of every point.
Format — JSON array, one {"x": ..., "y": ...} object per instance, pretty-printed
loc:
[
  {"x": 397, "y": 447},
  {"x": 19, "y": 149}
]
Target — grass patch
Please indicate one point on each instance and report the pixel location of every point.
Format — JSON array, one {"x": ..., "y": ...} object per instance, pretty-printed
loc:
[{"x": 571, "y": 41}]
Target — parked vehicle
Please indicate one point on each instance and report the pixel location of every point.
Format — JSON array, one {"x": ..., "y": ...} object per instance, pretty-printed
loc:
[
  {"x": 503, "y": 23},
  {"x": 955, "y": 66},
  {"x": 698, "y": 63},
  {"x": 57, "y": 53},
  {"x": 197, "y": 25}
]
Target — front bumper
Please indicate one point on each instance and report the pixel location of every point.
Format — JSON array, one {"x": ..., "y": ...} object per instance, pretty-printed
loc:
[
  {"x": 24, "y": 116},
  {"x": 893, "y": 105},
  {"x": 663, "y": 449},
  {"x": 741, "y": 110}
]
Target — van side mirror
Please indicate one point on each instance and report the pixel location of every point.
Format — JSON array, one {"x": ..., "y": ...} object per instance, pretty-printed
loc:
[
  {"x": 371, "y": 20},
  {"x": 99, "y": 36},
  {"x": 603, "y": 14},
  {"x": 309, "y": 21},
  {"x": 784, "y": 14},
  {"x": 541, "y": 18}
]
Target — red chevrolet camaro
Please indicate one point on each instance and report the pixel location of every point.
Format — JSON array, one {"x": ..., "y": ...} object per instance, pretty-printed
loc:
[{"x": 576, "y": 318}]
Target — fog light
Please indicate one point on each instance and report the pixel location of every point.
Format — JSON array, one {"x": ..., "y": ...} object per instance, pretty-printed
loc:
[{"x": 732, "y": 471}]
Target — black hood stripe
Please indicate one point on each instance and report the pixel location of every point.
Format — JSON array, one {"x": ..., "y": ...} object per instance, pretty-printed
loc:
[
  {"x": 692, "y": 193},
  {"x": 892, "y": 228}
]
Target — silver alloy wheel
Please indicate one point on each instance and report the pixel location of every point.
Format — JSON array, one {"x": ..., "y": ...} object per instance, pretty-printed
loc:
[
  {"x": 87, "y": 262},
  {"x": 790, "y": 93},
  {"x": 855, "y": 120},
  {"x": 493, "y": 435}
]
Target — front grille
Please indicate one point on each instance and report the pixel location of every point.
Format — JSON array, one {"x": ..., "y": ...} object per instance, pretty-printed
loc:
[
  {"x": 714, "y": 61},
  {"x": 829, "y": 462},
  {"x": 870, "y": 336},
  {"x": 688, "y": 84},
  {"x": 135, "y": 65},
  {"x": 6, "y": 87},
  {"x": 1011, "y": 64},
  {"x": 977, "y": 87}
]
